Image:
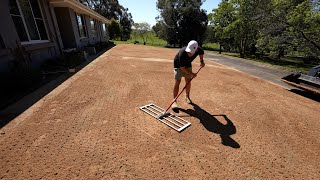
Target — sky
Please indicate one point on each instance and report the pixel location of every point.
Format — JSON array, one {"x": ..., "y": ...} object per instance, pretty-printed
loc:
[{"x": 146, "y": 10}]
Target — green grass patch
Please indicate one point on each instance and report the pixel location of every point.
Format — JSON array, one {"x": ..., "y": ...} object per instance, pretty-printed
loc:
[{"x": 151, "y": 40}]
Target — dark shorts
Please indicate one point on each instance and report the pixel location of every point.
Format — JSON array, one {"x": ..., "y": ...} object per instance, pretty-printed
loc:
[{"x": 178, "y": 74}]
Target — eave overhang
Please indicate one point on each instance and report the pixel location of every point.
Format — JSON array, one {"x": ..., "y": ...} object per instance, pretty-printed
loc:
[{"x": 79, "y": 8}]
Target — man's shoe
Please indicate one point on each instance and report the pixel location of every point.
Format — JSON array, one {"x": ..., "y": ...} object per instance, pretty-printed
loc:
[
  {"x": 175, "y": 107},
  {"x": 188, "y": 100}
]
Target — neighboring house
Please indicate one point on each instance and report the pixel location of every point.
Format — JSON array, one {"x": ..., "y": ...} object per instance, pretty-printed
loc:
[{"x": 44, "y": 28}]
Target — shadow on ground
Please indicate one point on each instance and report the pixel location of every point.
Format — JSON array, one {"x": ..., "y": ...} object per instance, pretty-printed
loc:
[
  {"x": 313, "y": 96},
  {"x": 212, "y": 124},
  {"x": 23, "y": 100}
]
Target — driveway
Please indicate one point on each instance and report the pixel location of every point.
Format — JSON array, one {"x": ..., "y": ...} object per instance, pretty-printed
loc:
[
  {"x": 91, "y": 127},
  {"x": 253, "y": 68}
]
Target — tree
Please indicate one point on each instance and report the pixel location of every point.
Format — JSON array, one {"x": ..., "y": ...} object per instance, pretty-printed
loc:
[
  {"x": 245, "y": 28},
  {"x": 126, "y": 23},
  {"x": 114, "y": 29},
  {"x": 291, "y": 25},
  {"x": 235, "y": 26},
  {"x": 182, "y": 20},
  {"x": 142, "y": 30},
  {"x": 157, "y": 29},
  {"x": 304, "y": 23},
  {"x": 221, "y": 21}
]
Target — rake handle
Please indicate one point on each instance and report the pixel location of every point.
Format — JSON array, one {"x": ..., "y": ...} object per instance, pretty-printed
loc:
[{"x": 181, "y": 91}]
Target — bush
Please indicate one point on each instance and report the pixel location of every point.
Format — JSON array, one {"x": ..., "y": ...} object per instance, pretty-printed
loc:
[
  {"x": 72, "y": 58},
  {"x": 21, "y": 74}
]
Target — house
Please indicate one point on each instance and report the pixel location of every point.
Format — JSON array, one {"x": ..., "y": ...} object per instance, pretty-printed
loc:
[{"x": 45, "y": 28}]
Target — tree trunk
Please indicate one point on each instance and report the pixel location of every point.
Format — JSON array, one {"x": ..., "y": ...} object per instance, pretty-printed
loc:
[
  {"x": 242, "y": 49},
  {"x": 280, "y": 53},
  {"x": 241, "y": 54}
]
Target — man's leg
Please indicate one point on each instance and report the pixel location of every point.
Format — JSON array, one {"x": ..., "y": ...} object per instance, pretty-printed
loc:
[
  {"x": 188, "y": 88},
  {"x": 176, "y": 91}
]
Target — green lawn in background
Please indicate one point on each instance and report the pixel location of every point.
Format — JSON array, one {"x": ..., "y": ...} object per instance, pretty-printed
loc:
[
  {"x": 151, "y": 40},
  {"x": 287, "y": 63}
]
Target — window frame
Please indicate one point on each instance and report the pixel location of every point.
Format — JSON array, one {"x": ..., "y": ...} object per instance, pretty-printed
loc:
[
  {"x": 84, "y": 25},
  {"x": 94, "y": 29},
  {"x": 25, "y": 25},
  {"x": 104, "y": 29}
]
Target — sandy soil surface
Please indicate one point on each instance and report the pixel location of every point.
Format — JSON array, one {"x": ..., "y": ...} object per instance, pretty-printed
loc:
[{"x": 91, "y": 127}]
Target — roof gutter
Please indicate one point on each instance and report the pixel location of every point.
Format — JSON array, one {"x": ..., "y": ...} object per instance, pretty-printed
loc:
[{"x": 79, "y": 8}]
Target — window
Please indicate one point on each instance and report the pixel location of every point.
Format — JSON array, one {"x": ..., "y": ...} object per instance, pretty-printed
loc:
[
  {"x": 93, "y": 27},
  {"x": 104, "y": 30},
  {"x": 81, "y": 25},
  {"x": 28, "y": 20}
]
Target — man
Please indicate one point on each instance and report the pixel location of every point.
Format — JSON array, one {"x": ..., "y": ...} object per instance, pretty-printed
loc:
[{"x": 183, "y": 68}]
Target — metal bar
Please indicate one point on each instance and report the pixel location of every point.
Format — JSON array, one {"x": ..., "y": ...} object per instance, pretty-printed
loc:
[
  {"x": 173, "y": 121},
  {"x": 179, "y": 119},
  {"x": 183, "y": 127},
  {"x": 169, "y": 125},
  {"x": 166, "y": 117},
  {"x": 149, "y": 108},
  {"x": 182, "y": 119}
]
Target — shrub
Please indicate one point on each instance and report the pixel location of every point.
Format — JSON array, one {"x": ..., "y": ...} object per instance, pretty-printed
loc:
[{"x": 72, "y": 58}]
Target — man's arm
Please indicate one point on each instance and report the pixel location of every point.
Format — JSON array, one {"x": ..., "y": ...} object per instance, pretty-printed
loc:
[{"x": 202, "y": 61}]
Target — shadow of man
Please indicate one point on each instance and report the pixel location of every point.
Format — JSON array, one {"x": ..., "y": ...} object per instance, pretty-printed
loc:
[{"x": 211, "y": 123}]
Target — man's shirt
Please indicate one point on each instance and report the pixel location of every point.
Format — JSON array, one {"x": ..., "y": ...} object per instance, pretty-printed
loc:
[{"x": 183, "y": 60}]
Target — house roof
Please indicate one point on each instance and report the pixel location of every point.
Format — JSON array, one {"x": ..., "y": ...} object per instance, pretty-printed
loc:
[{"x": 78, "y": 7}]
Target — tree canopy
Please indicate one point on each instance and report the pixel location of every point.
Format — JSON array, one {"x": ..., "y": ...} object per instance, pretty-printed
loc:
[
  {"x": 268, "y": 26},
  {"x": 182, "y": 21}
]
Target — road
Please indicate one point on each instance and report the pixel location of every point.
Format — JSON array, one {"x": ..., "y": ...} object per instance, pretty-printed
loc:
[{"x": 254, "y": 68}]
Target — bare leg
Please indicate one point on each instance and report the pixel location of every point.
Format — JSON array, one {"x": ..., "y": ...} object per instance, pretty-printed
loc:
[
  {"x": 176, "y": 88},
  {"x": 175, "y": 92},
  {"x": 188, "y": 88}
]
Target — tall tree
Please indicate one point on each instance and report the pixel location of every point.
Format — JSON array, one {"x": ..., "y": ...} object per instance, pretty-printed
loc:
[
  {"x": 114, "y": 29},
  {"x": 272, "y": 26},
  {"x": 235, "y": 25},
  {"x": 183, "y": 20},
  {"x": 291, "y": 25},
  {"x": 221, "y": 18},
  {"x": 126, "y": 23},
  {"x": 143, "y": 30},
  {"x": 158, "y": 28}
]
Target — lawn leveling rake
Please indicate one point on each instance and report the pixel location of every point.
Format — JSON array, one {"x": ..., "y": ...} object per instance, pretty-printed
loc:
[{"x": 166, "y": 117}]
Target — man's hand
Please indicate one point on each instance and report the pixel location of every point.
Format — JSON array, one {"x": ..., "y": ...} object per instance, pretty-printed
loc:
[
  {"x": 193, "y": 75},
  {"x": 202, "y": 64}
]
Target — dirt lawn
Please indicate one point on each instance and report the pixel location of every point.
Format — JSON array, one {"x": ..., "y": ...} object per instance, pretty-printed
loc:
[{"x": 90, "y": 127}]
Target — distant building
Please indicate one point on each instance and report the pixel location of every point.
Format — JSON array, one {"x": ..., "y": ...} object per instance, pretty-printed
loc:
[{"x": 44, "y": 28}]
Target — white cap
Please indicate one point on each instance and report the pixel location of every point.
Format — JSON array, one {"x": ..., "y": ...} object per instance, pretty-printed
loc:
[{"x": 192, "y": 47}]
